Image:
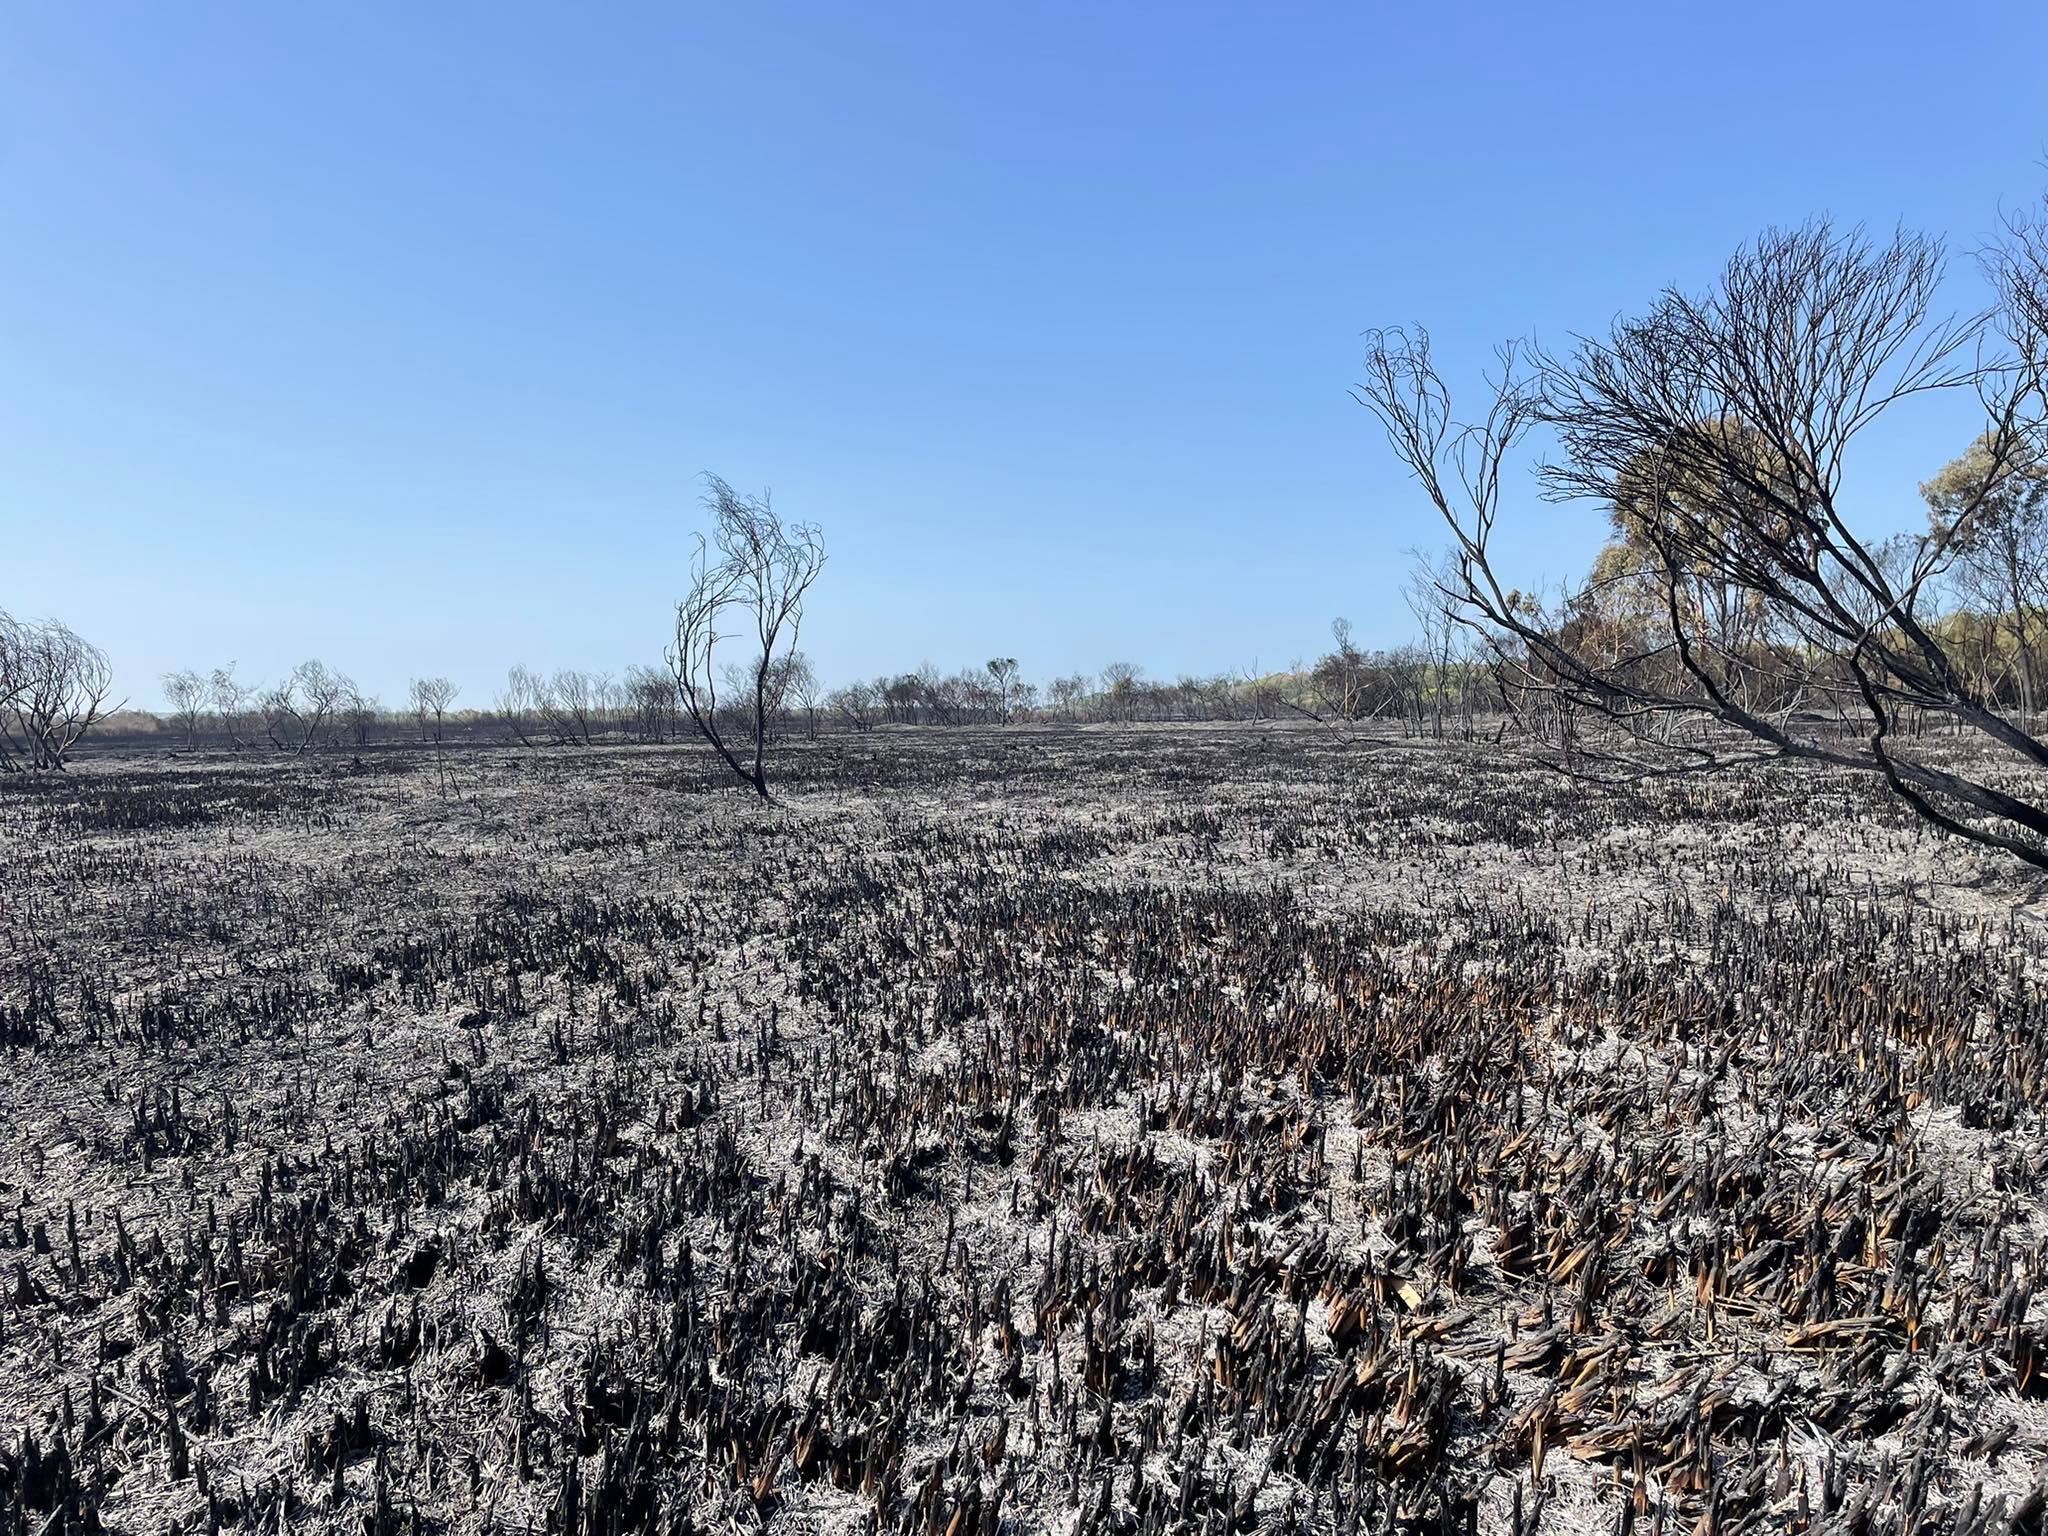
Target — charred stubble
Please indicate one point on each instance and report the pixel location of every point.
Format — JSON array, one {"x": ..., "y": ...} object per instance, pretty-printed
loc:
[{"x": 1130, "y": 1131}]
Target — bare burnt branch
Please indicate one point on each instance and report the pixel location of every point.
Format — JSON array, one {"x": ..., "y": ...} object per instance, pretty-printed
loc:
[
  {"x": 1740, "y": 607},
  {"x": 754, "y": 571}
]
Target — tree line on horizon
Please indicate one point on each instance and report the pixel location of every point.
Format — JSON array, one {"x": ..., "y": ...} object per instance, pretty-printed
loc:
[{"x": 318, "y": 707}]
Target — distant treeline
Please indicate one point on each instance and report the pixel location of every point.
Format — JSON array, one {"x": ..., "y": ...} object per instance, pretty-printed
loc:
[{"x": 1422, "y": 691}]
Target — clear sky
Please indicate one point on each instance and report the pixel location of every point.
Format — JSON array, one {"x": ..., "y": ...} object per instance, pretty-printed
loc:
[{"x": 398, "y": 334}]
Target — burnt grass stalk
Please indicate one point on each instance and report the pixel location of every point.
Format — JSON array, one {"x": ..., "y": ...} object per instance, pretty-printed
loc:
[{"x": 1122, "y": 1131}]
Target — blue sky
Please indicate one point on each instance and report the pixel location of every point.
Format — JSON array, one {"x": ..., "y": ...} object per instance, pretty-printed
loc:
[{"x": 398, "y": 335}]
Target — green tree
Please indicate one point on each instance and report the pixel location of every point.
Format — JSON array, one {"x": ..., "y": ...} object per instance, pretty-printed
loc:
[{"x": 1996, "y": 527}]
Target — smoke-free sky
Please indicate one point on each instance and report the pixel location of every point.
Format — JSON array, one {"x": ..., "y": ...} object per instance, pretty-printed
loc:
[{"x": 398, "y": 334}]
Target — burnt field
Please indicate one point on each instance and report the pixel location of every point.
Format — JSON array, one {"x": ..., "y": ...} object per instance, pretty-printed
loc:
[{"x": 1105, "y": 1131}]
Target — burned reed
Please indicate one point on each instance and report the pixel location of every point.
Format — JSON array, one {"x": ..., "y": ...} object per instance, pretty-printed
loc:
[{"x": 1132, "y": 1132}]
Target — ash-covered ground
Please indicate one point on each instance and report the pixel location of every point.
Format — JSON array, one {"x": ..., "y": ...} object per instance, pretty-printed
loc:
[{"x": 1152, "y": 1130}]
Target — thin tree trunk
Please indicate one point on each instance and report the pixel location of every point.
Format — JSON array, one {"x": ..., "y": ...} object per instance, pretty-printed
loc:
[
  {"x": 2019, "y": 625},
  {"x": 761, "y": 728}
]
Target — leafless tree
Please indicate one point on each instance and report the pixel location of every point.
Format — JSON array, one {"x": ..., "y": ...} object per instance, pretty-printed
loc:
[
  {"x": 516, "y": 702},
  {"x": 1005, "y": 682},
  {"x": 13, "y": 681},
  {"x": 856, "y": 704},
  {"x": 900, "y": 695},
  {"x": 1066, "y": 693},
  {"x": 1261, "y": 695},
  {"x": 938, "y": 695},
  {"x": 568, "y": 702},
  {"x": 1744, "y": 605},
  {"x": 1436, "y": 618},
  {"x": 442, "y": 697},
  {"x": 358, "y": 713},
  {"x": 1348, "y": 686},
  {"x": 792, "y": 688},
  {"x": 297, "y": 708},
  {"x": 416, "y": 695},
  {"x": 187, "y": 694},
  {"x": 607, "y": 701},
  {"x": 54, "y": 686},
  {"x": 981, "y": 696},
  {"x": 432, "y": 696},
  {"x": 277, "y": 705},
  {"x": 795, "y": 685},
  {"x": 752, "y": 574},
  {"x": 1339, "y": 679},
  {"x": 614, "y": 698},
  {"x": 231, "y": 699},
  {"x": 652, "y": 693},
  {"x": 1120, "y": 680}
]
